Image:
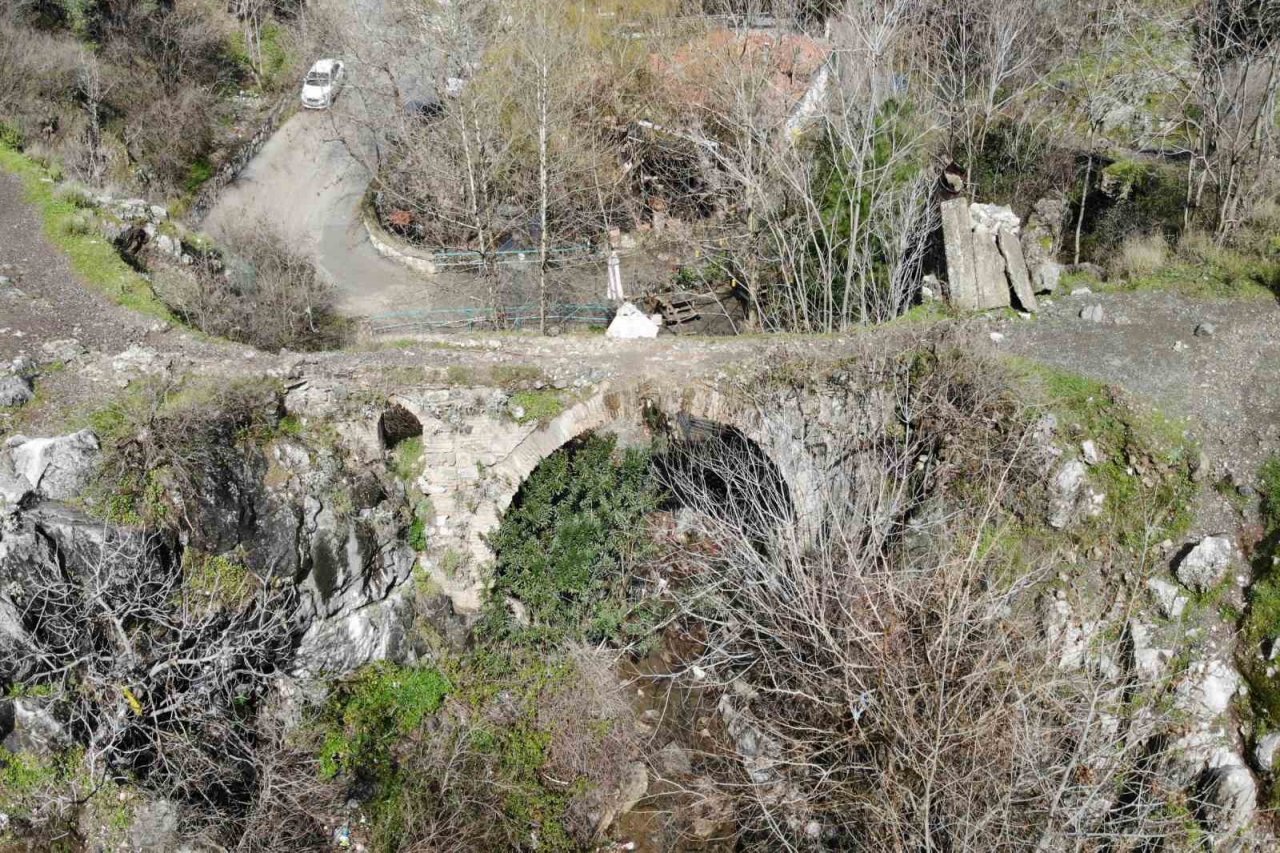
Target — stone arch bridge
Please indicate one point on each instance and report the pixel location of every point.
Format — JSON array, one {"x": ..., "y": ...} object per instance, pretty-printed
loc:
[{"x": 475, "y": 455}]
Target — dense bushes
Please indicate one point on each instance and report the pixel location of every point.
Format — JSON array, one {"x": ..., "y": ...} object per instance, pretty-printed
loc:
[{"x": 564, "y": 545}]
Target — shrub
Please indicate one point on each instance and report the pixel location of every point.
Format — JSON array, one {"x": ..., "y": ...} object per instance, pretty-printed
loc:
[
  {"x": 522, "y": 748},
  {"x": 562, "y": 548},
  {"x": 271, "y": 295},
  {"x": 166, "y": 443}
]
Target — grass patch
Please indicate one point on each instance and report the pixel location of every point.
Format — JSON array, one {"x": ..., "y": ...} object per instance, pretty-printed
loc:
[
  {"x": 406, "y": 459},
  {"x": 1260, "y": 630},
  {"x": 540, "y": 407},
  {"x": 1145, "y": 469},
  {"x": 197, "y": 174},
  {"x": 925, "y": 312},
  {"x": 380, "y": 705},
  {"x": 465, "y": 745},
  {"x": 92, "y": 257}
]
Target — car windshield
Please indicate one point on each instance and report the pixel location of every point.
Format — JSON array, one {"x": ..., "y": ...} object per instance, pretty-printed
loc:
[{"x": 317, "y": 78}]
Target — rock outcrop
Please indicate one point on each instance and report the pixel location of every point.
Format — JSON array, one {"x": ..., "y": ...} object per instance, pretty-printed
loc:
[
  {"x": 1205, "y": 565},
  {"x": 58, "y": 467}
]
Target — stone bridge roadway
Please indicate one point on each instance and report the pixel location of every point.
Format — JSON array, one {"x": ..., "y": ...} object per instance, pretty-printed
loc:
[{"x": 476, "y": 454}]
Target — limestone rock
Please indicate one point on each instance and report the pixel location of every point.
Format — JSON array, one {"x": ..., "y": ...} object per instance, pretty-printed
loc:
[
  {"x": 674, "y": 760},
  {"x": 138, "y": 360},
  {"x": 1064, "y": 493},
  {"x": 15, "y": 391},
  {"x": 57, "y": 467},
  {"x": 155, "y": 827},
  {"x": 1063, "y": 634},
  {"x": 1089, "y": 450},
  {"x": 988, "y": 265},
  {"x": 994, "y": 217},
  {"x": 1040, "y": 238},
  {"x": 1208, "y": 688},
  {"x": 957, "y": 229},
  {"x": 1227, "y": 798},
  {"x": 30, "y": 727},
  {"x": 1092, "y": 313},
  {"x": 1168, "y": 598},
  {"x": 1016, "y": 267},
  {"x": 1264, "y": 751},
  {"x": 1207, "y": 563},
  {"x": 1149, "y": 662},
  {"x": 630, "y": 322},
  {"x": 341, "y": 644}
]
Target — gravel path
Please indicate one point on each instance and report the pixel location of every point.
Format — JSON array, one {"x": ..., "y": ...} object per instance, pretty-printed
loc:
[
  {"x": 44, "y": 300},
  {"x": 1226, "y": 383}
]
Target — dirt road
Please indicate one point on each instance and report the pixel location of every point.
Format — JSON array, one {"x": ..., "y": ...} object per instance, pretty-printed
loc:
[{"x": 307, "y": 182}]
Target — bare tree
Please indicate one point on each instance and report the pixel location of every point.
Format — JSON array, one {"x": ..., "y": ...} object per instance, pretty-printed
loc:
[
  {"x": 1233, "y": 119},
  {"x": 880, "y": 672},
  {"x": 156, "y": 666}
]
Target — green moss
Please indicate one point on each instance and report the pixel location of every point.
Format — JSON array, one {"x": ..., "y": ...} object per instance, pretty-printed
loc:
[
  {"x": 219, "y": 579},
  {"x": 27, "y": 780},
  {"x": 92, "y": 257},
  {"x": 540, "y": 407},
  {"x": 925, "y": 312}
]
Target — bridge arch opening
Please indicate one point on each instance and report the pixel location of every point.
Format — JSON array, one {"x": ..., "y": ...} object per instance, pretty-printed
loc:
[{"x": 714, "y": 469}]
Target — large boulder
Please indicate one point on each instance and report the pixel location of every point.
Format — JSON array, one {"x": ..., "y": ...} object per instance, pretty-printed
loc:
[
  {"x": 15, "y": 391},
  {"x": 1065, "y": 490},
  {"x": 1040, "y": 242},
  {"x": 29, "y": 726},
  {"x": 340, "y": 644},
  {"x": 1264, "y": 751},
  {"x": 59, "y": 467},
  {"x": 1207, "y": 563}
]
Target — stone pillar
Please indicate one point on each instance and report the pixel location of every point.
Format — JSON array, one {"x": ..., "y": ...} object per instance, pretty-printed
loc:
[
  {"x": 988, "y": 267},
  {"x": 957, "y": 236},
  {"x": 1016, "y": 266}
]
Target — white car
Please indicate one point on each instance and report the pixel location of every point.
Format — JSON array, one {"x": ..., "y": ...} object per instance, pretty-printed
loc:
[{"x": 322, "y": 83}]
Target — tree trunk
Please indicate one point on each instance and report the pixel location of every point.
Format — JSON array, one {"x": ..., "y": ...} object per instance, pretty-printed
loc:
[
  {"x": 1084, "y": 199},
  {"x": 543, "y": 95}
]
